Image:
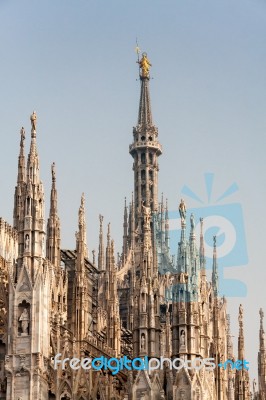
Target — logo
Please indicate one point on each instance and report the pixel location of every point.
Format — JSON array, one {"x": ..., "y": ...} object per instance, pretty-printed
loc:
[
  {"x": 238, "y": 364},
  {"x": 226, "y": 222},
  {"x": 118, "y": 364}
]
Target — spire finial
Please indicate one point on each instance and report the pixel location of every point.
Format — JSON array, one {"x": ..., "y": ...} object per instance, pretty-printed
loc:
[
  {"x": 215, "y": 269},
  {"x": 192, "y": 222},
  {"x": 201, "y": 226},
  {"x": 53, "y": 200},
  {"x": 53, "y": 172},
  {"x": 82, "y": 236},
  {"x": 240, "y": 316},
  {"x": 108, "y": 232},
  {"x": 53, "y": 226},
  {"x": 261, "y": 317},
  {"x": 101, "y": 222},
  {"x": 33, "y": 149},
  {"x": 202, "y": 250},
  {"x": 101, "y": 245}
]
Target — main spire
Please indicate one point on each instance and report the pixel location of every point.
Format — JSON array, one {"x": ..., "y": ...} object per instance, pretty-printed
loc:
[{"x": 145, "y": 150}]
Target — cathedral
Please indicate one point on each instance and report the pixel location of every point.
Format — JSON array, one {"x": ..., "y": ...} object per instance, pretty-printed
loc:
[{"x": 69, "y": 304}]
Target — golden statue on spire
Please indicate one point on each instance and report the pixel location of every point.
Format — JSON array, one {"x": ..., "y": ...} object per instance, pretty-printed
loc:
[{"x": 145, "y": 65}]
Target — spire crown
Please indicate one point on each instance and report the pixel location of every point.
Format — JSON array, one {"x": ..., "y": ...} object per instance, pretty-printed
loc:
[
  {"x": 33, "y": 160},
  {"x": 261, "y": 318},
  {"x": 202, "y": 250},
  {"x": 145, "y": 115},
  {"x": 240, "y": 316},
  {"x": 108, "y": 234},
  {"x": 53, "y": 173},
  {"x": 101, "y": 223},
  {"x": 82, "y": 236},
  {"x": 21, "y": 159},
  {"x": 22, "y": 139},
  {"x": 53, "y": 197},
  {"x": 101, "y": 245}
]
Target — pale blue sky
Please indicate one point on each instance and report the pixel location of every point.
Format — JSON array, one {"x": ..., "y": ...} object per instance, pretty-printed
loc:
[{"x": 74, "y": 63}]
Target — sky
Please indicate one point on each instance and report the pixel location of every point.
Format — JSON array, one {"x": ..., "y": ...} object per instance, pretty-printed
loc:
[{"x": 74, "y": 63}]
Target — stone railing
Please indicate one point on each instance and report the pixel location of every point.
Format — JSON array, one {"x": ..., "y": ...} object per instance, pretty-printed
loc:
[{"x": 144, "y": 144}]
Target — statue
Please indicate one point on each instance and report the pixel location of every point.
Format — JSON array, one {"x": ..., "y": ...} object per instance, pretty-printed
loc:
[
  {"x": 182, "y": 338},
  {"x": 145, "y": 65},
  {"x": 254, "y": 386},
  {"x": 33, "y": 119},
  {"x": 147, "y": 214},
  {"x": 182, "y": 277},
  {"x": 27, "y": 242},
  {"x": 182, "y": 210},
  {"x": 24, "y": 318},
  {"x": 143, "y": 341}
]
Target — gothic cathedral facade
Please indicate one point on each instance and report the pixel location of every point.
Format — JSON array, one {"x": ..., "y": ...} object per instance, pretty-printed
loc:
[{"x": 143, "y": 304}]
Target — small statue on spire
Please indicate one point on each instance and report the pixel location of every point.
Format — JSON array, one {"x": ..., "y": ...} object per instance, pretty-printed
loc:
[
  {"x": 82, "y": 210},
  {"x": 182, "y": 210},
  {"x": 145, "y": 65},
  {"x": 33, "y": 119},
  {"x": 22, "y": 133},
  {"x": 146, "y": 214}
]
